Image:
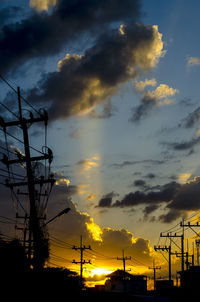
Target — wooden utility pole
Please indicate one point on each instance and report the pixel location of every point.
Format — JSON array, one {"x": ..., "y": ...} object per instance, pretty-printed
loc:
[
  {"x": 169, "y": 235},
  {"x": 186, "y": 256},
  {"x": 124, "y": 259},
  {"x": 81, "y": 262},
  {"x": 165, "y": 249},
  {"x": 35, "y": 231},
  {"x": 197, "y": 246},
  {"x": 154, "y": 268},
  {"x": 191, "y": 226}
]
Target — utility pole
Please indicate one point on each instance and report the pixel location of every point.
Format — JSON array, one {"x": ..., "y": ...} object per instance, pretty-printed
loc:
[
  {"x": 197, "y": 241},
  {"x": 186, "y": 255},
  {"x": 191, "y": 226},
  {"x": 165, "y": 249},
  {"x": 169, "y": 235},
  {"x": 81, "y": 262},
  {"x": 124, "y": 259},
  {"x": 34, "y": 228},
  {"x": 154, "y": 268}
]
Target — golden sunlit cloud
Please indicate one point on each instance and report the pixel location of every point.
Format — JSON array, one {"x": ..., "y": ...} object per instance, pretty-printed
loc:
[
  {"x": 141, "y": 85},
  {"x": 94, "y": 230},
  {"x": 121, "y": 29},
  {"x": 183, "y": 177},
  {"x": 106, "y": 244},
  {"x": 82, "y": 189},
  {"x": 94, "y": 88},
  {"x": 193, "y": 61},
  {"x": 148, "y": 54},
  {"x": 167, "y": 102},
  {"x": 17, "y": 150},
  {"x": 195, "y": 180},
  {"x": 62, "y": 181},
  {"x": 88, "y": 163},
  {"x": 42, "y": 5},
  {"x": 161, "y": 94},
  {"x": 162, "y": 91},
  {"x": 91, "y": 197},
  {"x": 68, "y": 57}
]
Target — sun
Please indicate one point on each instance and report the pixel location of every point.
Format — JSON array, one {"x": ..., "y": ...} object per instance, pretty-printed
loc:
[{"x": 100, "y": 271}]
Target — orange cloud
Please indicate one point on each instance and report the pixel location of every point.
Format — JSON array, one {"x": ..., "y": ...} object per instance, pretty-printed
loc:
[
  {"x": 88, "y": 163},
  {"x": 91, "y": 197},
  {"x": 193, "y": 61},
  {"x": 106, "y": 243},
  {"x": 42, "y": 5}
]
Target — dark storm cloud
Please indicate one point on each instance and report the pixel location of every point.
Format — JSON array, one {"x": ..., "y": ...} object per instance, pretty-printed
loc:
[
  {"x": 163, "y": 195},
  {"x": 150, "y": 175},
  {"x": 185, "y": 145},
  {"x": 171, "y": 216},
  {"x": 143, "y": 109},
  {"x": 187, "y": 197},
  {"x": 44, "y": 34},
  {"x": 145, "y": 161},
  {"x": 177, "y": 198},
  {"x": 186, "y": 102},
  {"x": 149, "y": 209},
  {"x": 106, "y": 200},
  {"x": 8, "y": 13},
  {"x": 192, "y": 119},
  {"x": 139, "y": 183},
  {"x": 85, "y": 81}
]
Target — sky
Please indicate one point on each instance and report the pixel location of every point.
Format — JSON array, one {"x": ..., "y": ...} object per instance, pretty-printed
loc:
[{"x": 119, "y": 80}]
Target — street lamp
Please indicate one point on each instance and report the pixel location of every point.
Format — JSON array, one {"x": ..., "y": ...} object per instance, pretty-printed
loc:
[{"x": 65, "y": 211}]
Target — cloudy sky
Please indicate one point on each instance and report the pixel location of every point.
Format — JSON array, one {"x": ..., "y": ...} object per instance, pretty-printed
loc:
[{"x": 120, "y": 81}]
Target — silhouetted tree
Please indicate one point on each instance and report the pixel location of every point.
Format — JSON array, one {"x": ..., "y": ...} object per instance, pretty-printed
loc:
[{"x": 12, "y": 257}]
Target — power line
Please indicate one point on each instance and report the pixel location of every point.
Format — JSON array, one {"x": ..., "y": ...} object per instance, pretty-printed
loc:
[
  {"x": 22, "y": 177},
  {"x": 20, "y": 141},
  {"x": 62, "y": 242},
  {"x": 60, "y": 246},
  {"x": 28, "y": 103},
  {"x": 3, "y": 105},
  {"x": 137, "y": 261}
]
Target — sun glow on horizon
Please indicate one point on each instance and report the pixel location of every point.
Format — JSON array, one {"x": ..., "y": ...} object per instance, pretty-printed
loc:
[{"x": 100, "y": 271}]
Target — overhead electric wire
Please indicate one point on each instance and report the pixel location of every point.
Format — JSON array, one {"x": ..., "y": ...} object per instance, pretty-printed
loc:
[
  {"x": 61, "y": 241},
  {"x": 3, "y": 170},
  {"x": 7, "y": 218},
  {"x": 175, "y": 243},
  {"x": 60, "y": 246},
  {"x": 163, "y": 255},
  {"x": 29, "y": 104},
  {"x": 12, "y": 152},
  {"x": 101, "y": 255},
  {"x": 17, "y": 139},
  {"x": 7, "y": 222},
  {"x": 7, "y": 176},
  {"x": 3, "y": 105},
  {"x": 137, "y": 261},
  {"x": 59, "y": 258}
]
